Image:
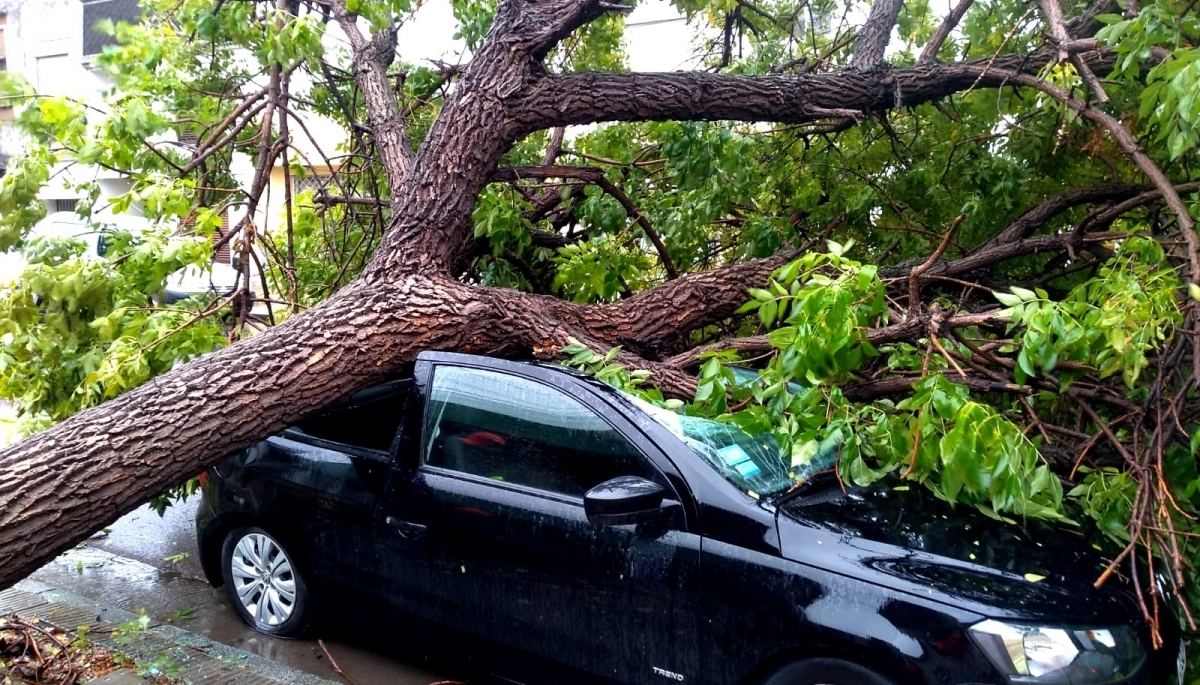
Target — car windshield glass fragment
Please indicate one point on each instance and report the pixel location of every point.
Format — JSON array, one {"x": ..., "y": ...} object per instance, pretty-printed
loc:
[{"x": 752, "y": 463}]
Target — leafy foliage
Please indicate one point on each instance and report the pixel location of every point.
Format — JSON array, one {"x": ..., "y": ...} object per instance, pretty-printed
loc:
[{"x": 78, "y": 331}]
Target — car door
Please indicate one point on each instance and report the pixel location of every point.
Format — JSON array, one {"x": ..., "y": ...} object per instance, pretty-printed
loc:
[
  {"x": 328, "y": 474},
  {"x": 506, "y": 552},
  {"x": 332, "y": 492}
]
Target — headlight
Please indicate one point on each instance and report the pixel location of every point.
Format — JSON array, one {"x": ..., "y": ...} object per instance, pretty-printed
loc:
[{"x": 1040, "y": 654}]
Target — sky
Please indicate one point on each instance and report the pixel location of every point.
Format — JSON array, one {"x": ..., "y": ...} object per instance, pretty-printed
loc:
[{"x": 658, "y": 37}]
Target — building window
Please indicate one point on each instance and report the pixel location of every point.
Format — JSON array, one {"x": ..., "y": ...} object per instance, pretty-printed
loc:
[
  {"x": 188, "y": 137},
  {"x": 64, "y": 205},
  {"x": 822, "y": 23},
  {"x": 224, "y": 253},
  {"x": 116, "y": 11},
  {"x": 55, "y": 74},
  {"x": 313, "y": 182}
]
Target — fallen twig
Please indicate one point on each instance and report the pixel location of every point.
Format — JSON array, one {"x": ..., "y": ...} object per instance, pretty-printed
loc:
[{"x": 333, "y": 662}]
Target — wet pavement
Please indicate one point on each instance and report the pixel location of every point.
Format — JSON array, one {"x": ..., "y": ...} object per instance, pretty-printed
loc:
[
  {"x": 144, "y": 563},
  {"x": 167, "y": 542}
]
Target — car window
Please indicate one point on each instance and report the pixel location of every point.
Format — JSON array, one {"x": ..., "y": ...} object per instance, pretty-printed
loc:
[
  {"x": 515, "y": 430},
  {"x": 368, "y": 419}
]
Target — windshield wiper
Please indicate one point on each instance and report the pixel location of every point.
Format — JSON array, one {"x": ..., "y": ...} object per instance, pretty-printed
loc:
[
  {"x": 788, "y": 495},
  {"x": 797, "y": 489}
]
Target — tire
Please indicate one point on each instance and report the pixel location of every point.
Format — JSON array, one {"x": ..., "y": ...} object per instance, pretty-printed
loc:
[
  {"x": 825, "y": 672},
  {"x": 255, "y": 566}
]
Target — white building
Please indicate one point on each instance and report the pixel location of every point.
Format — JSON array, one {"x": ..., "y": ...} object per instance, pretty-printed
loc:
[{"x": 52, "y": 44}]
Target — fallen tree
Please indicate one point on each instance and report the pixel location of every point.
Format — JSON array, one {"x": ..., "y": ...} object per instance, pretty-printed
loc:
[{"x": 421, "y": 175}]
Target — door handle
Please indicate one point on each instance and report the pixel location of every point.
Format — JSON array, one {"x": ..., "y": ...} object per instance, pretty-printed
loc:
[{"x": 406, "y": 529}]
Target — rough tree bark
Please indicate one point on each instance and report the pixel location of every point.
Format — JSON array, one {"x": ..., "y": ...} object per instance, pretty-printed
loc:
[
  {"x": 60, "y": 485},
  {"x": 874, "y": 34}
]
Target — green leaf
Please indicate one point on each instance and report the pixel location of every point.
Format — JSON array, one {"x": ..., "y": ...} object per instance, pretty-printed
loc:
[
  {"x": 1006, "y": 299},
  {"x": 1025, "y": 364},
  {"x": 787, "y": 273},
  {"x": 1025, "y": 294},
  {"x": 766, "y": 313}
]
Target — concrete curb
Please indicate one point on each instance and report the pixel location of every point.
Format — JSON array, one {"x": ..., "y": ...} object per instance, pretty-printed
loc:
[{"x": 198, "y": 659}]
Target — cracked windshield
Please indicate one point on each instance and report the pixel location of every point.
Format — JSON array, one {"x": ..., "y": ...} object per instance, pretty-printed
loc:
[{"x": 753, "y": 463}]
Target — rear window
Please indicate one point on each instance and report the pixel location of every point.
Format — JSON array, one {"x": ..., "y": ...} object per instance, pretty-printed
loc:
[{"x": 367, "y": 420}]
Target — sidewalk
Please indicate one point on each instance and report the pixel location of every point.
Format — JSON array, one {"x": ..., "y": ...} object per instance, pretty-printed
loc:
[{"x": 200, "y": 661}]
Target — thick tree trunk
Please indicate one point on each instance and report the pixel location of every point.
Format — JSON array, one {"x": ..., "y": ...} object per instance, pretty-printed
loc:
[
  {"x": 58, "y": 485},
  {"x": 101, "y": 463},
  {"x": 874, "y": 34}
]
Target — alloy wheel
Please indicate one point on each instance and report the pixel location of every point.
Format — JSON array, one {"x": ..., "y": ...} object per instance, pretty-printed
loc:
[{"x": 263, "y": 579}]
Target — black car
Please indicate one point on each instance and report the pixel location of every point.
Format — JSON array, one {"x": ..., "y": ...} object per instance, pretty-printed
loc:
[{"x": 576, "y": 534}]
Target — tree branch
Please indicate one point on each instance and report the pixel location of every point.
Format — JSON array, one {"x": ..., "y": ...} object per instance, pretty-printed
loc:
[
  {"x": 930, "y": 52},
  {"x": 1058, "y": 29},
  {"x": 586, "y": 98},
  {"x": 679, "y": 306},
  {"x": 1130, "y": 146},
  {"x": 1103, "y": 218},
  {"x": 910, "y": 329},
  {"x": 914, "y": 278},
  {"x": 596, "y": 176},
  {"x": 1054, "y": 205},
  {"x": 998, "y": 253},
  {"x": 874, "y": 35},
  {"x": 697, "y": 300},
  {"x": 871, "y": 390}
]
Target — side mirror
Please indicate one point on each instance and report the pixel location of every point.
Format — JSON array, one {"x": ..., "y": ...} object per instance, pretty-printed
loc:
[{"x": 623, "y": 500}]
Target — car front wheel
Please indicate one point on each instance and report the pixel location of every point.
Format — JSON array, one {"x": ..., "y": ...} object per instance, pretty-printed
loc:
[
  {"x": 263, "y": 583},
  {"x": 825, "y": 672}
]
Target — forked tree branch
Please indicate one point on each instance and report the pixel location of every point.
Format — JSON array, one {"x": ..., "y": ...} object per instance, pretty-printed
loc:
[
  {"x": 1133, "y": 149},
  {"x": 371, "y": 58},
  {"x": 1047, "y": 209},
  {"x": 597, "y": 177},
  {"x": 1058, "y": 29}
]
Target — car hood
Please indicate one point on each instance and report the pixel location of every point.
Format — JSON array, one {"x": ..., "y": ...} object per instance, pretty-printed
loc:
[{"x": 907, "y": 539}]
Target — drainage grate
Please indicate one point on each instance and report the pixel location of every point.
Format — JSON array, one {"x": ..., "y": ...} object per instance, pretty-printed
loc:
[
  {"x": 20, "y": 602},
  {"x": 72, "y": 617}
]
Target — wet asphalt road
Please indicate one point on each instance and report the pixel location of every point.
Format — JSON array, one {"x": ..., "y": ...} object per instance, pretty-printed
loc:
[{"x": 147, "y": 563}]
